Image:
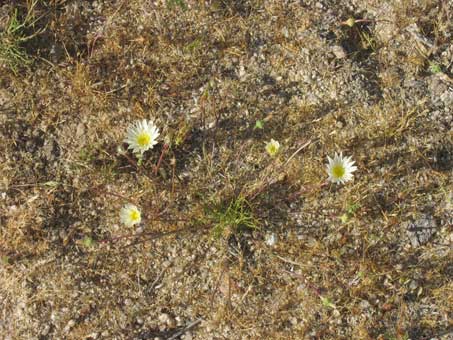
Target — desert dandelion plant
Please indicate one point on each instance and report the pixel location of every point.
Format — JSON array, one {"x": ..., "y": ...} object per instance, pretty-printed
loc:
[
  {"x": 142, "y": 136},
  {"x": 340, "y": 168},
  {"x": 272, "y": 147},
  {"x": 130, "y": 215}
]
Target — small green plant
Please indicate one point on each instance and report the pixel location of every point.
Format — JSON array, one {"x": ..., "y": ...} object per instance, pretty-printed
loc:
[
  {"x": 367, "y": 41},
  {"x": 326, "y": 302},
  {"x": 12, "y": 52},
  {"x": 404, "y": 336},
  {"x": 5, "y": 260},
  {"x": 87, "y": 154},
  {"x": 193, "y": 46},
  {"x": 350, "y": 212},
  {"x": 352, "y": 208},
  {"x": 180, "y": 3},
  {"x": 234, "y": 218},
  {"x": 88, "y": 242},
  {"x": 434, "y": 67},
  {"x": 259, "y": 124},
  {"x": 181, "y": 134}
]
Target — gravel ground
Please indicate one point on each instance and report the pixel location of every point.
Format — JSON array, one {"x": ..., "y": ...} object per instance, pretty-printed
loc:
[{"x": 233, "y": 244}]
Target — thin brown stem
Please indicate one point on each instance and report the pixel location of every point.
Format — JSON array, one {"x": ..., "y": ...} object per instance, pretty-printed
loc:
[
  {"x": 164, "y": 150},
  {"x": 106, "y": 192}
]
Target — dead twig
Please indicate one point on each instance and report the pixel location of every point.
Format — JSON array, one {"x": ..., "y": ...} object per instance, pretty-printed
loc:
[
  {"x": 351, "y": 21},
  {"x": 140, "y": 234},
  {"x": 185, "y": 329},
  {"x": 296, "y": 152}
]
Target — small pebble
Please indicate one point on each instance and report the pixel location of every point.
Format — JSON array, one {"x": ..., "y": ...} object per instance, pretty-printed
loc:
[
  {"x": 339, "y": 52},
  {"x": 271, "y": 239},
  {"x": 69, "y": 325}
]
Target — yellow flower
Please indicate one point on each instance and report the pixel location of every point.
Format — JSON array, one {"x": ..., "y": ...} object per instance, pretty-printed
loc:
[
  {"x": 340, "y": 168},
  {"x": 130, "y": 215},
  {"x": 272, "y": 147}
]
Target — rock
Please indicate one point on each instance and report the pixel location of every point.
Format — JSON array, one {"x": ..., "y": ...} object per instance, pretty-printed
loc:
[
  {"x": 179, "y": 321},
  {"x": 419, "y": 40},
  {"x": 50, "y": 149},
  {"x": 385, "y": 25},
  {"x": 45, "y": 330},
  {"x": 437, "y": 89},
  {"x": 364, "y": 304},
  {"x": 187, "y": 336},
  {"x": 339, "y": 52},
  {"x": 447, "y": 336},
  {"x": 285, "y": 32},
  {"x": 420, "y": 231},
  {"x": 5, "y": 98},
  {"x": 271, "y": 239},
  {"x": 171, "y": 322},
  {"x": 447, "y": 98},
  {"x": 413, "y": 285},
  {"x": 69, "y": 325},
  {"x": 80, "y": 130},
  {"x": 167, "y": 320},
  {"x": 56, "y": 53}
]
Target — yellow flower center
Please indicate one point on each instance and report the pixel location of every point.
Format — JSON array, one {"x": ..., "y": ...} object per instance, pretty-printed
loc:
[
  {"x": 134, "y": 215},
  {"x": 338, "y": 171},
  {"x": 143, "y": 139}
]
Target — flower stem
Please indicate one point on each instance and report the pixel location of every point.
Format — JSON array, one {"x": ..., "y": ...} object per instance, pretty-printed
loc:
[{"x": 164, "y": 150}]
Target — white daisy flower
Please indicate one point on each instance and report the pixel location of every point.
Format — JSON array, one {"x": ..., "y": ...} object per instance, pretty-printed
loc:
[
  {"x": 272, "y": 147},
  {"x": 130, "y": 215},
  {"x": 340, "y": 168},
  {"x": 141, "y": 136}
]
